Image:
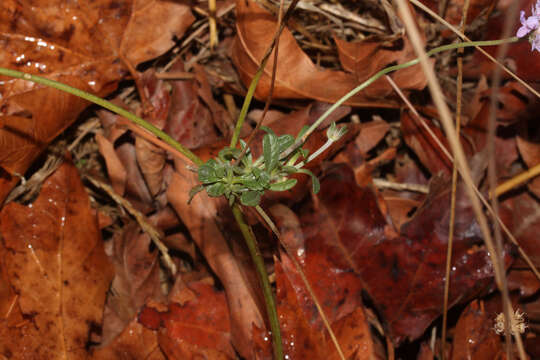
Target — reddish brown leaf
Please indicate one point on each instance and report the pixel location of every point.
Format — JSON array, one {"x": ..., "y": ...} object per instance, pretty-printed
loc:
[
  {"x": 402, "y": 273},
  {"x": 135, "y": 282},
  {"x": 78, "y": 43},
  {"x": 190, "y": 121},
  {"x": 365, "y": 58},
  {"x": 198, "y": 328},
  {"x": 526, "y": 207},
  {"x": 57, "y": 266},
  {"x": 304, "y": 335},
  {"x": 297, "y": 76},
  {"x": 135, "y": 342},
  {"x": 474, "y": 335},
  {"x": 424, "y": 146},
  {"x": 115, "y": 169},
  {"x": 370, "y": 134}
]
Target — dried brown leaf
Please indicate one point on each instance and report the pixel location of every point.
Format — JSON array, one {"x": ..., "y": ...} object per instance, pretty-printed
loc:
[
  {"x": 297, "y": 76},
  {"x": 57, "y": 265}
]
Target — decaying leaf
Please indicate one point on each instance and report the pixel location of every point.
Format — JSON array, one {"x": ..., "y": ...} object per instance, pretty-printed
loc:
[{"x": 56, "y": 264}]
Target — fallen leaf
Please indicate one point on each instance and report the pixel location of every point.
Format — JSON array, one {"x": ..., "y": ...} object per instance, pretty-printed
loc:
[
  {"x": 135, "y": 342},
  {"x": 57, "y": 266},
  {"x": 474, "y": 337},
  {"x": 303, "y": 333},
  {"x": 199, "y": 328},
  {"x": 371, "y": 133},
  {"x": 365, "y": 58},
  {"x": 136, "y": 280},
  {"x": 297, "y": 76},
  {"x": 402, "y": 273},
  {"x": 85, "y": 44}
]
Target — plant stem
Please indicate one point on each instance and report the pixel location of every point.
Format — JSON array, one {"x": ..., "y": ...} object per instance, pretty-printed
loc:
[
  {"x": 385, "y": 71},
  {"x": 263, "y": 279},
  {"x": 107, "y": 105}
]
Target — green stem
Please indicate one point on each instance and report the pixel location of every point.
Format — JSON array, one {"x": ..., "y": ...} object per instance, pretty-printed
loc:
[
  {"x": 107, "y": 105},
  {"x": 245, "y": 105},
  {"x": 385, "y": 71},
  {"x": 251, "y": 243}
]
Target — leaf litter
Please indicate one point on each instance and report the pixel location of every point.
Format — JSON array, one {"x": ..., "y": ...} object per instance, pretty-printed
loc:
[{"x": 374, "y": 254}]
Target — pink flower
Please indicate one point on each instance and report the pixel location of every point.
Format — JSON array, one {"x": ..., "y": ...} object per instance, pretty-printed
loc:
[
  {"x": 527, "y": 25},
  {"x": 531, "y": 26}
]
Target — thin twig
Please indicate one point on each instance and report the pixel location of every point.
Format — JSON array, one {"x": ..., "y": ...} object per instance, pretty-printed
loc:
[
  {"x": 145, "y": 225},
  {"x": 385, "y": 184}
]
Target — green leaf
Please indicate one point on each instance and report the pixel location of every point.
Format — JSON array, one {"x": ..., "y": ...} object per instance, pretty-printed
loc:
[
  {"x": 268, "y": 130},
  {"x": 302, "y": 131},
  {"x": 262, "y": 176},
  {"x": 289, "y": 169},
  {"x": 251, "y": 198},
  {"x": 284, "y": 185},
  {"x": 316, "y": 185},
  {"x": 207, "y": 173},
  {"x": 270, "y": 152},
  {"x": 227, "y": 154},
  {"x": 216, "y": 189},
  {"x": 252, "y": 183},
  {"x": 194, "y": 191},
  {"x": 284, "y": 141}
]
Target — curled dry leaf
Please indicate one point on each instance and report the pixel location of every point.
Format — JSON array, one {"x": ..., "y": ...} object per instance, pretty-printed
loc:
[
  {"x": 85, "y": 44},
  {"x": 115, "y": 169},
  {"x": 422, "y": 143},
  {"x": 297, "y": 76},
  {"x": 56, "y": 264}
]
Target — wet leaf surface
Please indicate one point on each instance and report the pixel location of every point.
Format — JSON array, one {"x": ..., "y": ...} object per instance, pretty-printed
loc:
[
  {"x": 88, "y": 45},
  {"x": 54, "y": 257},
  {"x": 402, "y": 273}
]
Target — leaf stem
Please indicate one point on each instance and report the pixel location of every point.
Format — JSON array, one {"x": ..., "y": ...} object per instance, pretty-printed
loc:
[
  {"x": 263, "y": 279},
  {"x": 385, "y": 71},
  {"x": 107, "y": 105}
]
